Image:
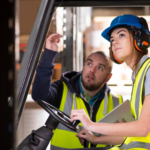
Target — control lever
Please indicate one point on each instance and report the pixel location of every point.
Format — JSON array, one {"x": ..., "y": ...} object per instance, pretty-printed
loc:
[{"x": 75, "y": 123}]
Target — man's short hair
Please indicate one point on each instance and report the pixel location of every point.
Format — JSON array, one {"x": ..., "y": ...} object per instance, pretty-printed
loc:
[{"x": 109, "y": 61}]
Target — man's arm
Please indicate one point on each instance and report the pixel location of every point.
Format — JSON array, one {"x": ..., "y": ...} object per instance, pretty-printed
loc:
[{"x": 42, "y": 87}]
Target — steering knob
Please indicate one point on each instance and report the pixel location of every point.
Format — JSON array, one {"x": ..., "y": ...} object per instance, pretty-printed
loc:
[{"x": 75, "y": 122}]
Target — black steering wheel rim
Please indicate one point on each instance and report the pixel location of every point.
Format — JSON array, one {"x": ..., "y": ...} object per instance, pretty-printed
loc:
[{"x": 58, "y": 115}]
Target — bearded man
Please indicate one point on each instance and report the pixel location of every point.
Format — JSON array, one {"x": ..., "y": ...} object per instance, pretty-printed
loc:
[{"x": 87, "y": 89}]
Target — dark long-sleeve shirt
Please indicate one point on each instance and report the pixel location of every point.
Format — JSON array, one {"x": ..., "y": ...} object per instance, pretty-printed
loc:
[{"x": 43, "y": 89}]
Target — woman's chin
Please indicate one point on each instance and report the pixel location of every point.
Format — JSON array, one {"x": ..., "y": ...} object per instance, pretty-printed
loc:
[{"x": 120, "y": 58}]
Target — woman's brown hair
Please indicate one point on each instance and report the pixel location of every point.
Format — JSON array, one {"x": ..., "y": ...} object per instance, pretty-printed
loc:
[{"x": 140, "y": 54}]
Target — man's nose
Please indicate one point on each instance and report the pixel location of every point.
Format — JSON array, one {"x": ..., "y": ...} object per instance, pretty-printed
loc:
[{"x": 92, "y": 69}]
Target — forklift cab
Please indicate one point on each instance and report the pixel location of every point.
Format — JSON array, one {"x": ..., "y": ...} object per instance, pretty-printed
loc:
[{"x": 32, "y": 55}]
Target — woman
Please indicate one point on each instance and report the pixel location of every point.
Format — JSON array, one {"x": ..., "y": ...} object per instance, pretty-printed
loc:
[{"x": 129, "y": 39}]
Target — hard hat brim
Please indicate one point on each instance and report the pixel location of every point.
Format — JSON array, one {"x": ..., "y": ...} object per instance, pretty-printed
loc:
[{"x": 107, "y": 30}]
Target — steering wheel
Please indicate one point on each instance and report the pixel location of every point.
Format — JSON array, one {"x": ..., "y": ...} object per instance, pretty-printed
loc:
[{"x": 59, "y": 115}]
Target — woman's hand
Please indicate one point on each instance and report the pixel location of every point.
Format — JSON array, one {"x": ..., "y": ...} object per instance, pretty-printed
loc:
[
  {"x": 123, "y": 120},
  {"x": 86, "y": 135},
  {"x": 52, "y": 41},
  {"x": 81, "y": 115},
  {"x": 107, "y": 140}
]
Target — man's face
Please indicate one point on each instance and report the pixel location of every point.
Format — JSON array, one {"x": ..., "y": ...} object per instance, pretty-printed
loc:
[{"x": 95, "y": 72}]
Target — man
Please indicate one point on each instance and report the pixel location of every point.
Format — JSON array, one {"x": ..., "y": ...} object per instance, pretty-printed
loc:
[{"x": 75, "y": 90}]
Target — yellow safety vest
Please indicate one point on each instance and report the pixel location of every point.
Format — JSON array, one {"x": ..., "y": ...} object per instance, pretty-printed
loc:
[
  {"x": 137, "y": 143},
  {"x": 64, "y": 138}
]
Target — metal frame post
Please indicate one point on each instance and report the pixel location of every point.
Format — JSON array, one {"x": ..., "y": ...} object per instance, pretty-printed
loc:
[
  {"x": 33, "y": 50},
  {"x": 8, "y": 26},
  {"x": 103, "y": 3}
]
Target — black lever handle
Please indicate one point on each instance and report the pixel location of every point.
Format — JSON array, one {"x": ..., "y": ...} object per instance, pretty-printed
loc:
[
  {"x": 75, "y": 122},
  {"x": 86, "y": 143}
]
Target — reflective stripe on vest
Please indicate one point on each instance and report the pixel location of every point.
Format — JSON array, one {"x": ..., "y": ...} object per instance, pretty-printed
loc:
[
  {"x": 133, "y": 146},
  {"x": 136, "y": 107},
  {"x": 62, "y": 134}
]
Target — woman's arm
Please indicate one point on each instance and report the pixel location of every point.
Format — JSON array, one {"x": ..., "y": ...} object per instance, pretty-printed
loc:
[
  {"x": 108, "y": 140},
  {"x": 138, "y": 128}
]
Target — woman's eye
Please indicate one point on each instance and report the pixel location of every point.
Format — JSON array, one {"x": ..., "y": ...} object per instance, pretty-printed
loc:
[
  {"x": 122, "y": 35},
  {"x": 111, "y": 41}
]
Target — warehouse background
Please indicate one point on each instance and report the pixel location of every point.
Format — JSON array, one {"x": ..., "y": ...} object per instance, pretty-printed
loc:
[{"x": 86, "y": 25}]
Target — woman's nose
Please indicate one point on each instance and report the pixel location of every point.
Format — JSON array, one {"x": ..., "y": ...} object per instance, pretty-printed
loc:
[{"x": 115, "y": 42}]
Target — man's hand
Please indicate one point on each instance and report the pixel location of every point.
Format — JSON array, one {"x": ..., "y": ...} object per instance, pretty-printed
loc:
[{"x": 52, "y": 41}]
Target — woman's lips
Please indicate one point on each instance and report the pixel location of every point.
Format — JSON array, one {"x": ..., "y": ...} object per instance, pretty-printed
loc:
[{"x": 117, "y": 49}]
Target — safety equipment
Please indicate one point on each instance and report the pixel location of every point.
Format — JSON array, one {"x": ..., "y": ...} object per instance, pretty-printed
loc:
[
  {"x": 117, "y": 61},
  {"x": 140, "y": 143},
  {"x": 141, "y": 38},
  {"x": 62, "y": 135},
  {"x": 136, "y": 107}
]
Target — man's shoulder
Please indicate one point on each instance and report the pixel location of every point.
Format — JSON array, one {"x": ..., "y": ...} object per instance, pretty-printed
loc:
[
  {"x": 71, "y": 79},
  {"x": 114, "y": 94}
]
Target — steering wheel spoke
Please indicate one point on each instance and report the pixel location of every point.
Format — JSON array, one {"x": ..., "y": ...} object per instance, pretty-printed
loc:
[{"x": 59, "y": 115}]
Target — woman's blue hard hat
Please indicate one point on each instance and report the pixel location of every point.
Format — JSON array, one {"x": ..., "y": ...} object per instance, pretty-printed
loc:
[{"x": 128, "y": 19}]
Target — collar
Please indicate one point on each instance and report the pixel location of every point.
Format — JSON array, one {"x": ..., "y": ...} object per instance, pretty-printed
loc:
[
  {"x": 93, "y": 98},
  {"x": 81, "y": 90},
  {"x": 134, "y": 73}
]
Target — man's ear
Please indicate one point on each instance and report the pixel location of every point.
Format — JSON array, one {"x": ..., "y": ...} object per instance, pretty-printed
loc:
[{"x": 109, "y": 77}]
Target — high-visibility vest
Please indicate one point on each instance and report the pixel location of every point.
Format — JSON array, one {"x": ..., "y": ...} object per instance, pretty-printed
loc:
[
  {"x": 137, "y": 143},
  {"x": 63, "y": 137}
]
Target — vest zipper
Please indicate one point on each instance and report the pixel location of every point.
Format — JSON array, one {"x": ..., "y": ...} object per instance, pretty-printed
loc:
[
  {"x": 91, "y": 107},
  {"x": 91, "y": 111}
]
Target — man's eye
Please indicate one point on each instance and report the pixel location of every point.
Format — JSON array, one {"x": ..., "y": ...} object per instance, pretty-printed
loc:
[
  {"x": 100, "y": 68},
  {"x": 89, "y": 64}
]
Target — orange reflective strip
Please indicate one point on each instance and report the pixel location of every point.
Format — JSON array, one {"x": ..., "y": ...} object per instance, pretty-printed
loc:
[{"x": 58, "y": 66}]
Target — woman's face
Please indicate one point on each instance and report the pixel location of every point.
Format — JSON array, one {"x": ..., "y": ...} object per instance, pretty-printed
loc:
[{"x": 122, "y": 43}]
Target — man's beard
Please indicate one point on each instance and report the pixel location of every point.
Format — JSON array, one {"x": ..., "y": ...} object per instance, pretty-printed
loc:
[{"x": 90, "y": 87}]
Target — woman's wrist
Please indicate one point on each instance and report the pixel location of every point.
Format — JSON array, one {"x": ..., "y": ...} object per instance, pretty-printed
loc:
[{"x": 91, "y": 126}]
